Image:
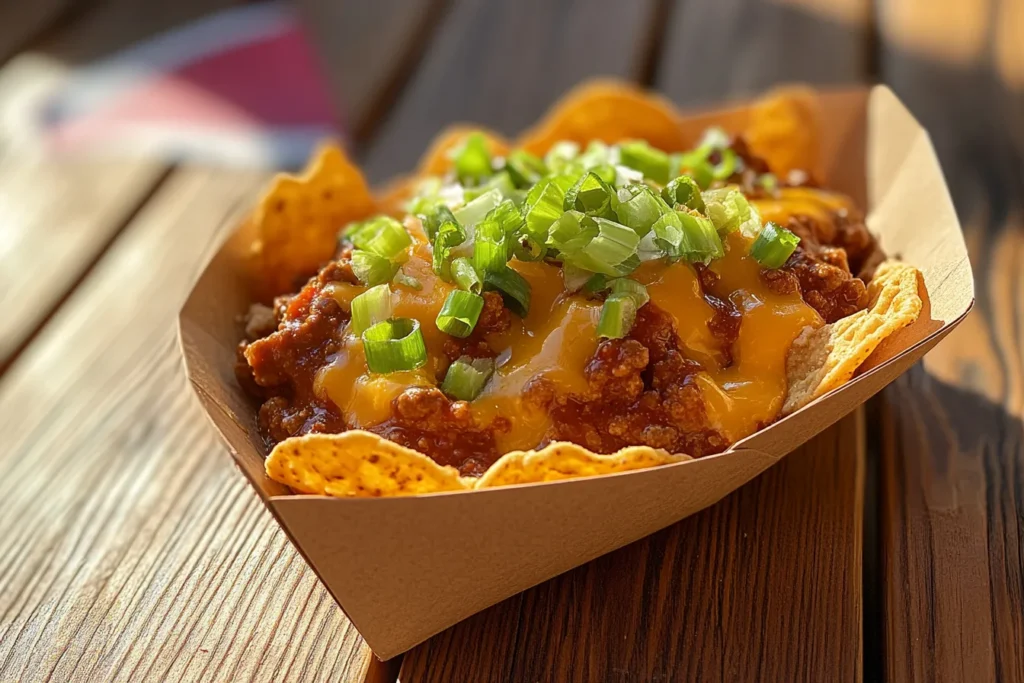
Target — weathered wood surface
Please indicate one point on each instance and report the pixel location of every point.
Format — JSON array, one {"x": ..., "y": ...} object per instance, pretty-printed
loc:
[
  {"x": 952, "y": 463},
  {"x": 133, "y": 550}
]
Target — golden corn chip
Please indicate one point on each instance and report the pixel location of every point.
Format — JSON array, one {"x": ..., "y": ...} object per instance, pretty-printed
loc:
[
  {"x": 824, "y": 358},
  {"x": 297, "y": 220},
  {"x": 783, "y": 130},
  {"x": 357, "y": 464},
  {"x": 566, "y": 460},
  {"x": 608, "y": 111},
  {"x": 437, "y": 160}
]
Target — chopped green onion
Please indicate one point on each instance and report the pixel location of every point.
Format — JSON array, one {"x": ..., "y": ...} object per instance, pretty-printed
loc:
[
  {"x": 459, "y": 313},
  {"x": 526, "y": 248},
  {"x": 449, "y": 235},
  {"x": 768, "y": 182},
  {"x": 628, "y": 266},
  {"x": 433, "y": 221},
  {"x": 467, "y": 377},
  {"x": 394, "y": 345},
  {"x": 684, "y": 191},
  {"x": 617, "y": 316},
  {"x": 571, "y": 232},
  {"x": 500, "y": 181},
  {"x": 653, "y": 163},
  {"x": 543, "y": 206},
  {"x": 605, "y": 172},
  {"x": 612, "y": 246},
  {"x": 370, "y": 308},
  {"x": 524, "y": 168},
  {"x": 639, "y": 207},
  {"x": 513, "y": 287},
  {"x": 714, "y": 138},
  {"x": 489, "y": 250},
  {"x": 623, "y": 285},
  {"x": 562, "y": 157},
  {"x": 408, "y": 281},
  {"x": 383, "y": 236},
  {"x": 701, "y": 242},
  {"x": 372, "y": 269},
  {"x": 508, "y": 216},
  {"x": 727, "y": 166},
  {"x": 464, "y": 275},
  {"x": 774, "y": 245},
  {"x": 473, "y": 212},
  {"x": 591, "y": 195},
  {"x": 729, "y": 210},
  {"x": 696, "y": 164},
  {"x": 624, "y": 175},
  {"x": 473, "y": 160}
]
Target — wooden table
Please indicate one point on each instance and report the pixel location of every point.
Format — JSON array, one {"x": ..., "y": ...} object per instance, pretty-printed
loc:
[{"x": 889, "y": 548}]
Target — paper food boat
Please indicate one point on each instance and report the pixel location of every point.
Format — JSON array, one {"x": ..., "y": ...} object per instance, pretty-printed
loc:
[{"x": 404, "y": 569}]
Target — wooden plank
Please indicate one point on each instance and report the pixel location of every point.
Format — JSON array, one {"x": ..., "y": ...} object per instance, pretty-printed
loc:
[
  {"x": 764, "y": 586},
  {"x": 502, "y": 64},
  {"x": 57, "y": 218},
  {"x": 718, "y": 49},
  {"x": 131, "y": 548},
  {"x": 953, "y": 457}
]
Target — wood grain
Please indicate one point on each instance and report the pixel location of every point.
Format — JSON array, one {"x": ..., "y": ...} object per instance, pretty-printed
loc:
[
  {"x": 953, "y": 457},
  {"x": 57, "y": 218},
  {"x": 502, "y": 64},
  {"x": 133, "y": 550},
  {"x": 764, "y": 586}
]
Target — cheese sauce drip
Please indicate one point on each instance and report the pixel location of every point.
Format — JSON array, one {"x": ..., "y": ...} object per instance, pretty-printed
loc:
[{"x": 559, "y": 336}]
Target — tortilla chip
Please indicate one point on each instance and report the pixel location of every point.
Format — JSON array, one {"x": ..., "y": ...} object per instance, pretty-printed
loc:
[
  {"x": 824, "y": 358},
  {"x": 362, "y": 465},
  {"x": 297, "y": 221},
  {"x": 566, "y": 460},
  {"x": 783, "y": 129},
  {"x": 437, "y": 160},
  {"x": 608, "y": 111},
  {"x": 357, "y": 464}
]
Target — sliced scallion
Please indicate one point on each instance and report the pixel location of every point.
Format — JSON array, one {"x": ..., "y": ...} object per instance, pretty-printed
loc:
[
  {"x": 653, "y": 163},
  {"x": 459, "y": 313},
  {"x": 524, "y": 168},
  {"x": 408, "y": 281},
  {"x": 617, "y": 316},
  {"x": 590, "y": 195},
  {"x": 639, "y": 207},
  {"x": 683, "y": 191},
  {"x": 474, "y": 211},
  {"x": 473, "y": 160},
  {"x": 729, "y": 210},
  {"x": 562, "y": 157},
  {"x": 394, "y": 345},
  {"x": 701, "y": 242},
  {"x": 448, "y": 236},
  {"x": 774, "y": 245},
  {"x": 372, "y": 269},
  {"x": 383, "y": 236},
  {"x": 464, "y": 275},
  {"x": 624, "y": 285},
  {"x": 466, "y": 377},
  {"x": 370, "y": 308},
  {"x": 489, "y": 247},
  {"x": 513, "y": 287},
  {"x": 612, "y": 246}
]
